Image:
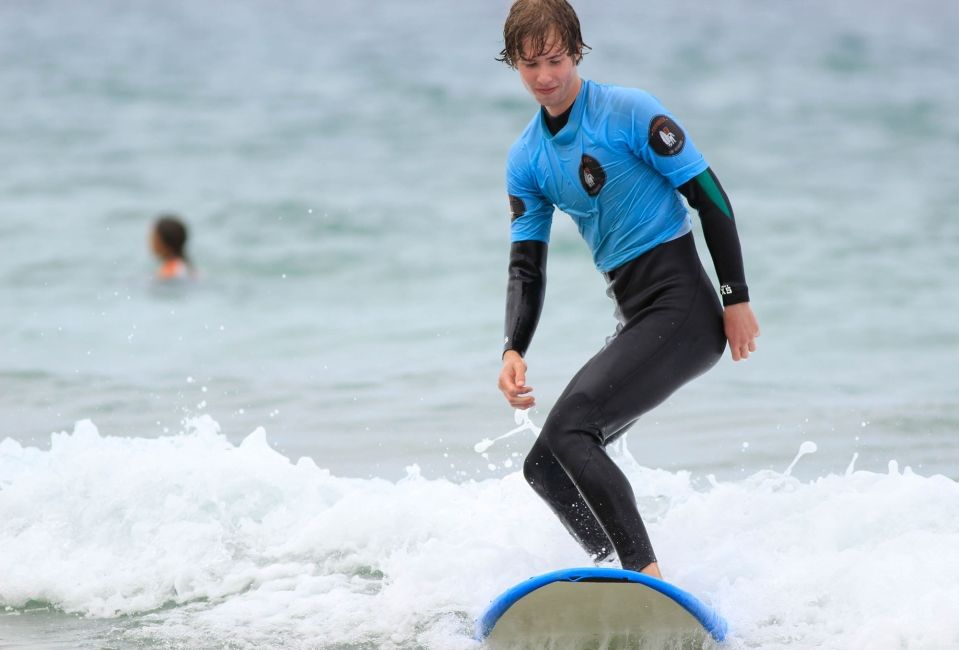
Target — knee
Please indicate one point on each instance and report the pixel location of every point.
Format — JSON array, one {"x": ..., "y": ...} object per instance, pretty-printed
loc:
[
  {"x": 572, "y": 422},
  {"x": 534, "y": 470}
]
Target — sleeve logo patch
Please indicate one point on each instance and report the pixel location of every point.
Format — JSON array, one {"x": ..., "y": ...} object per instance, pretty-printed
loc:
[
  {"x": 665, "y": 136},
  {"x": 516, "y": 207},
  {"x": 591, "y": 175}
]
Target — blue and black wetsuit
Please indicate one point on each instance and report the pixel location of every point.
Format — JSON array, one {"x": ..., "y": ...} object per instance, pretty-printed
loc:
[{"x": 616, "y": 162}]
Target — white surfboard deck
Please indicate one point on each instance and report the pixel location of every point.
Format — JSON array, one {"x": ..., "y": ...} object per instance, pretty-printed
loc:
[{"x": 604, "y": 607}]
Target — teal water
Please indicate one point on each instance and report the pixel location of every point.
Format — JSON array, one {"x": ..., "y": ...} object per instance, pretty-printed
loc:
[{"x": 341, "y": 169}]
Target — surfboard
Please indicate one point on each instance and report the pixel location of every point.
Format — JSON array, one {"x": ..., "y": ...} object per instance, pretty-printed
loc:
[{"x": 588, "y": 606}]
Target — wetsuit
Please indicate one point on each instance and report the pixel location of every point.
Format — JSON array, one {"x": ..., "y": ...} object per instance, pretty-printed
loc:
[{"x": 616, "y": 162}]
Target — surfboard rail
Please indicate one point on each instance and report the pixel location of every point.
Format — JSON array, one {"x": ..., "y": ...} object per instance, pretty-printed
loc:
[{"x": 711, "y": 621}]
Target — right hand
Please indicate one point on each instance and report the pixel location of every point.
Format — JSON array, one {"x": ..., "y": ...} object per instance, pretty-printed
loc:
[{"x": 512, "y": 381}]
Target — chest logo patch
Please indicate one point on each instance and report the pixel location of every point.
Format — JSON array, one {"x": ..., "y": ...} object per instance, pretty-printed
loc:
[
  {"x": 665, "y": 136},
  {"x": 591, "y": 175}
]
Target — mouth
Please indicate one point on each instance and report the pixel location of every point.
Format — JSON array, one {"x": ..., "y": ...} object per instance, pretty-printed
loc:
[{"x": 545, "y": 91}]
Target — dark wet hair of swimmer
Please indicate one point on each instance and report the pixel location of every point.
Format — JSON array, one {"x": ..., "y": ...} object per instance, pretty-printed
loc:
[{"x": 172, "y": 233}]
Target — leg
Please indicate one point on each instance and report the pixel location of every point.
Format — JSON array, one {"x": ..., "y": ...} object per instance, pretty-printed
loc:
[
  {"x": 656, "y": 353},
  {"x": 550, "y": 481},
  {"x": 579, "y": 449}
]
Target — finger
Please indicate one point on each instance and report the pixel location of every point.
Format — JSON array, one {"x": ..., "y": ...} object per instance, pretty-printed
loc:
[
  {"x": 520, "y": 394},
  {"x": 520, "y": 378},
  {"x": 507, "y": 382},
  {"x": 512, "y": 391},
  {"x": 522, "y": 402}
]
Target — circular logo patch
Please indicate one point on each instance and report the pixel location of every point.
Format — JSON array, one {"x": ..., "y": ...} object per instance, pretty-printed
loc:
[
  {"x": 516, "y": 207},
  {"x": 665, "y": 136},
  {"x": 591, "y": 175}
]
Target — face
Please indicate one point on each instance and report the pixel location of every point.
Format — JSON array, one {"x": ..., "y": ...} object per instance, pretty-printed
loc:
[
  {"x": 157, "y": 246},
  {"x": 551, "y": 78}
]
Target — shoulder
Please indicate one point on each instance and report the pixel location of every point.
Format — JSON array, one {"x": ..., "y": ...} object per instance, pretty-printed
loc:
[
  {"x": 173, "y": 269},
  {"x": 522, "y": 147},
  {"x": 624, "y": 102}
]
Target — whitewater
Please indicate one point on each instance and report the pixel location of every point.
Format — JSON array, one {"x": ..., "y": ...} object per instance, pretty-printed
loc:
[{"x": 192, "y": 541}]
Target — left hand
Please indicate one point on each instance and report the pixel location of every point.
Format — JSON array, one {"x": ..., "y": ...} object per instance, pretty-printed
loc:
[
  {"x": 512, "y": 381},
  {"x": 741, "y": 329}
]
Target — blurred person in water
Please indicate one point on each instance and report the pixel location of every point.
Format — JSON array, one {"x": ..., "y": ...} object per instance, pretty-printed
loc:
[
  {"x": 618, "y": 163},
  {"x": 168, "y": 239}
]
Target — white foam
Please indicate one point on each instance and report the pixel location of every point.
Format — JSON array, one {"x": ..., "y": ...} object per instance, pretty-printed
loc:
[
  {"x": 808, "y": 447},
  {"x": 523, "y": 422},
  {"x": 245, "y": 543}
]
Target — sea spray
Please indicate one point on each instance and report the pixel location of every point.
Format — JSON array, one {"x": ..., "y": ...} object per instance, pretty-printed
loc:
[
  {"x": 807, "y": 447},
  {"x": 523, "y": 422},
  {"x": 196, "y": 538}
]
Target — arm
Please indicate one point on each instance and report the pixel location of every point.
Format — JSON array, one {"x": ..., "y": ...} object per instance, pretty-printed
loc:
[
  {"x": 525, "y": 291},
  {"x": 705, "y": 194},
  {"x": 659, "y": 140},
  {"x": 531, "y": 216}
]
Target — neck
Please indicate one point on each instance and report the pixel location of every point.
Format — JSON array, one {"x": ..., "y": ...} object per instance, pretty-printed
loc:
[{"x": 555, "y": 123}]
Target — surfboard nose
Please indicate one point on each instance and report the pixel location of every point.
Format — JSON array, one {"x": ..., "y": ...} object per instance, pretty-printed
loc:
[{"x": 588, "y": 603}]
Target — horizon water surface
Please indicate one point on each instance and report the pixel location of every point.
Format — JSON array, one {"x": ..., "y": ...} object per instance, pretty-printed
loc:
[{"x": 299, "y": 438}]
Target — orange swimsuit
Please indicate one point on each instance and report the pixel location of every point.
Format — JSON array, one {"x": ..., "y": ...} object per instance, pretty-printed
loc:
[{"x": 173, "y": 269}]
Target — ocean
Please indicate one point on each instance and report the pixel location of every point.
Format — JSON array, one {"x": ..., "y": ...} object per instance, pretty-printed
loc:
[{"x": 304, "y": 448}]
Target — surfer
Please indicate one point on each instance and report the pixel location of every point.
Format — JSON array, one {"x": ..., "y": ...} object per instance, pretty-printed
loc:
[
  {"x": 168, "y": 242},
  {"x": 615, "y": 160}
]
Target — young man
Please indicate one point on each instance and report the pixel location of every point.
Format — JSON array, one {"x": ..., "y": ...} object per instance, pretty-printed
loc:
[{"x": 616, "y": 161}]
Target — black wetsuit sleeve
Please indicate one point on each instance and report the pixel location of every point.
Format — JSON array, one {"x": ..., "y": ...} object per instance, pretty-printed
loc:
[
  {"x": 525, "y": 291},
  {"x": 706, "y": 196}
]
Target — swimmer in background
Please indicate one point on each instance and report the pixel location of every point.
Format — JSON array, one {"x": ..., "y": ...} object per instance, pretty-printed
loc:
[{"x": 168, "y": 242}]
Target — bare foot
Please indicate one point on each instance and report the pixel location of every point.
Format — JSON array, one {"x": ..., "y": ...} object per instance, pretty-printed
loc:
[{"x": 652, "y": 569}]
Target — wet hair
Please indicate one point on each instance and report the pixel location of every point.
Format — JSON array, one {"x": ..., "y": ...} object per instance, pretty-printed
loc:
[
  {"x": 532, "y": 24},
  {"x": 173, "y": 234}
]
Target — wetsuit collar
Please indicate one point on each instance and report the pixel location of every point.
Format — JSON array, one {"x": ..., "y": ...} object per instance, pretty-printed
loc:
[{"x": 568, "y": 132}]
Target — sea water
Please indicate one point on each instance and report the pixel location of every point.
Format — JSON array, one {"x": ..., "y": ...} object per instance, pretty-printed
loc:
[{"x": 304, "y": 447}]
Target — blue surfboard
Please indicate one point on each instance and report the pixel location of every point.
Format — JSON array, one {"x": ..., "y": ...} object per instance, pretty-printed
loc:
[{"x": 591, "y": 604}]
